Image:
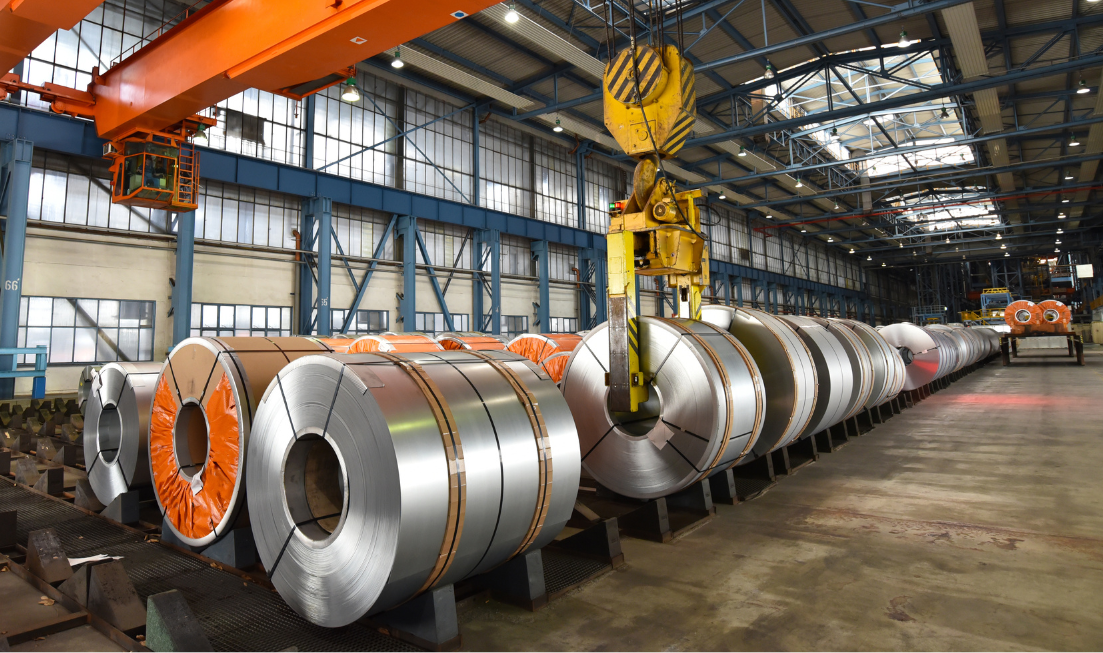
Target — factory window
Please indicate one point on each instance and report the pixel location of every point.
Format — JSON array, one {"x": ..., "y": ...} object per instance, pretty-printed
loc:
[
  {"x": 718, "y": 222},
  {"x": 562, "y": 262},
  {"x": 359, "y": 231},
  {"x": 224, "y": 320},
  {"x": 437, "y": 157},
  {"x": 259, "y": 124},
  {"x": 77, "y": 191},
  {"x": 449, "y": 246},
  {"x": 357, "y": 140},
  {"x": 434, "y": 323},
  {"x": 605, "y": 183},
  {"x": 505, "y": 165},
  {"x": 556, "y": 186},
  {"x": 87, "y": 330},
  {"x": 563, "y": 325},
  {"x": 240, "y": 214},
  {"x": 514, "y": 325},
  {"x": 364, "y": 322},
  {"x": 516, "y": 257}
]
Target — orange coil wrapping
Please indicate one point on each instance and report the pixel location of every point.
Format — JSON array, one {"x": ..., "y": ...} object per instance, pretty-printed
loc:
[
  {"x": 1055, "y": 313},
  {"x": 556, "y": 364},
  {"x": 1021, "y": 314},
  {"x": 394, "y": 344},
  {"x": 202, "y": 412},
  {"x": 338, "y": 342},
  {"x": 538, "y": 346},
  {"x": 471, "y": 342}
]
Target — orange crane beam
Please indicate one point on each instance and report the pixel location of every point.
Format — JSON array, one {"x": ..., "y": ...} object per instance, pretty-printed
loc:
[
  {"x": 25, "y": 24},
  {"x": 291, "y": 47}
]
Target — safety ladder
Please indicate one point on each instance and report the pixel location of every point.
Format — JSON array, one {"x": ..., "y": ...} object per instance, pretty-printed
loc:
[{"x": 187, "y": 172}]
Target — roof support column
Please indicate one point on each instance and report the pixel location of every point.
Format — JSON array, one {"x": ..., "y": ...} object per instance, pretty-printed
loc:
[
  {"x": 182, "y": 288},
  {"x": 539, "y": 249},
  {"x": 15, "y": 180},
  {"x": 406, "y": 247}
]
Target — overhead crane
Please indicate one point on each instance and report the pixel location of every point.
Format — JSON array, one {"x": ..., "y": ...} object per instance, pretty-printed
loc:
[
  {"x": 650, "y": 101},
  {"x": 147, "y": 105}
]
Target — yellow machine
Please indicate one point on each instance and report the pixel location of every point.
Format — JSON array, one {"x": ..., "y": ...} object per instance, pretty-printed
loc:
[{"x": 650, "y": 108}]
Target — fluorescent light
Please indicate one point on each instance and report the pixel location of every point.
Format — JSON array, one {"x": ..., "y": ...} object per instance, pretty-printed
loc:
[{"x": 512, "y": 16}]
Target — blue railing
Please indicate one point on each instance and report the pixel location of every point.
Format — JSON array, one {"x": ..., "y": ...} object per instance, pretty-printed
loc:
[{"x": 38, "y": 374}]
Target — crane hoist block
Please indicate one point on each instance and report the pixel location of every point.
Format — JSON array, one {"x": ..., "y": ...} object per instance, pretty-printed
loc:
[{"x": 664, "y": 118}]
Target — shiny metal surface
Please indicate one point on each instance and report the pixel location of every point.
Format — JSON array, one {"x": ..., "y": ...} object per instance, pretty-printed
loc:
[
  {"x": 887, "y": 367},
  {"x": 84, "y": 385},
  {"x": 833, "y": 372},
  {"x": 705, "y": 410},
  {"x": 918, "y": 350},
  {"x": 116, "y": 425},
  {"x": 861, "y": 365},
  {"x": 788, "y": 372},
  {"x": 404, "y": 472}
]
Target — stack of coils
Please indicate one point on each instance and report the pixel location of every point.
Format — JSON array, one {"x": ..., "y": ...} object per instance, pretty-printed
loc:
[
  {"x": 375, "y": 477},
  {"x": 394, "y": 343},
  {"x": 917, "y": 349},
  {"x": 116, "y": 427},
  {"x": 787, "y": 369},
  {"x": 200, "y": 427},
  {"x": 538, "y": 346},
  {"x": 705, "y": 408},
  {"x": 889, "y": 374},
  {"x": 472, "y": 341},
  {"x": 835, "y": 376},
  {"x": 1022, "y": 313}
]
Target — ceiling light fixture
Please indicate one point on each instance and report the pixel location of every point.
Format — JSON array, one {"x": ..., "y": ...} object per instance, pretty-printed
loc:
[
  {"x": 1058, "y": 241},
  {"x": 200, "y": 137},
  {"x": 1003, "y": 246},
  {"x": 804, "y": 231},
  {"x": 349, "y": 93},
  {"x": 1060, "y": 216},
  {"x": 904, "y": 42},
  {"x": 999, "y": 236},
  {"x": 869, "y": 258},
  {"x": 397, "y": 61},
  {"x": 945, "y": 113},
  {"x": 1082, "y": 88},
  {"x": 830, "y": 239},
  {"x": 769, "y": 216},
  {"x": 512, "y": 16},
  {"x": 769, "y": 70},
  {"x": 883, "y": 264},
  {"x": 742, "y": 152},
  {"x": 723, "y": 196},
  {"x": 1060, "y": 231},
  {"x": 1068, "y": 177},
  {"x": 851, "y": 251},
  {"x": 901, "y": 245},
  {"x": 1073, "y": 142},
  {"x": 1065, "y": 201},
  {"x": 1007, "y": 254},
  {"x": 799, "y": 184},
  {"x": 558, "y": 127}
]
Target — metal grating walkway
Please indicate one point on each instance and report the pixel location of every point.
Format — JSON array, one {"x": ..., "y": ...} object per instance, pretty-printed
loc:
[{"x": 236, "y": 615}]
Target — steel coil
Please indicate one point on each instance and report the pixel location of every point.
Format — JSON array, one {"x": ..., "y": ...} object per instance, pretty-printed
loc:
[
  {"x": 704, "y": 411},
  {"x": 116, "y": 427},
  {"x": 375, "y": 477},
  {"x": 950, "y": 351},
  {"x": 200, "y": 425},
  {"x": 474, "y": 341},
  {"x": 394, "y": 343},
  {"x": 788, "y": 371},
  {"x": 917, "y": 349},
  {"x": 887, "y": 367},
  {"x": 861, "y": 365},
  {"x": 84, "y": 385},
  {"x": 833, "y": 372},
  {"x": 538, "y": 346}
]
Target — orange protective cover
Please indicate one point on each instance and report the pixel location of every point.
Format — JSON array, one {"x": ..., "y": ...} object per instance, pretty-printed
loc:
[
  {"x": 398, "y": 344},
  {"x": 476, "y": 343},
  {"x": 338, "y": 345},
  {"x": 537, "y": 347},
  {"x": 556, "y": 364}
]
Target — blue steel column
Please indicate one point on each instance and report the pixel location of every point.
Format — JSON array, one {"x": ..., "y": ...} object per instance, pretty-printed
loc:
[
  {"x": 308, "y": 132},
  {"x": 476, "y": 173},
  {"x": 539, "y": 249},
  {"x": 323, "y": 217},
  {"x": 185, "y": 263},
  {"x": 727, "y": 290},
  {"x": 488, "y": 238},
  {"x": 406, "y": 246},
  {"x": 738, "y": 281},
  {"x": 306, "y": 279},
  {"x": 580, "y": 182},
  {"x": 661, "y": 287},
  {"x": 17, "y": 155}
]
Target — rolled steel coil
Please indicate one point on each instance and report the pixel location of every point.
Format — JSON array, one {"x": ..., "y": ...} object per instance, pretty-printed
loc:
[
  {"x": 337, "y": 342},
  {"x": 398, "y": 343},
  {"x": 116, "y": 428},
  {"x": 538, "y": 346},
  {"x": 788, "y": 371},
  {"x": 962, "y": 348},
  {"x": 472, "y": 341},
  {"x": 375, "y": 477},
  {"x": 1022, "y": 313},
  {"x": 1054, "y": 312},
  {"x": 84, "y": 384},
  {"x": 887, "y": 366},
  {"x": 861, "y": 365},
  {"x": 833, "y": 372},
  {"x": 555, "y": 365},
  {"x": 200, "y": 426},
  {"x": 704, "y": 412},
  {"x": 918, "y": 350},
  {"x": 991, "y": 337}
]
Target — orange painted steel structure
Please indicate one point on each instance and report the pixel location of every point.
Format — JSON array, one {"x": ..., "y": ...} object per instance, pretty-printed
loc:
[{"x": 25, "y": 24}]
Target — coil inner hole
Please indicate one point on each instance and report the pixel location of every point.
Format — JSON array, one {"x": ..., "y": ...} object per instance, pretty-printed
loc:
[
  {"x": 1050, "y": 315},
  {"x": 641, "y": 422},
  {"x": 109, "y": 433},
  {"x": 314, "y": 486},
  {"x": 191, "y": 439},
  {"x": 1022, "y": 315}
]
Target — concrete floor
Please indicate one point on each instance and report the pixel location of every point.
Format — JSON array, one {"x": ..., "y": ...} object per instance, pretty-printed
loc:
[{"x": 973, "y": 521}]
